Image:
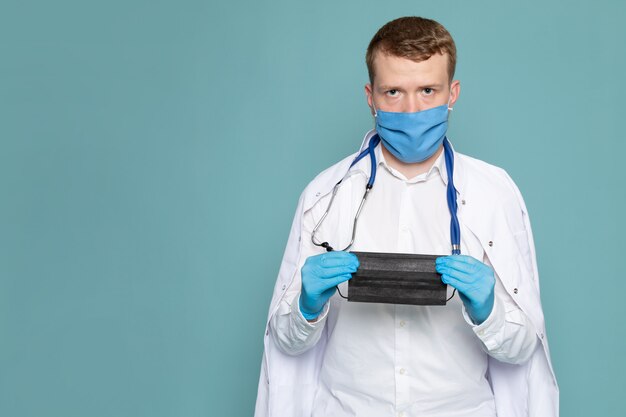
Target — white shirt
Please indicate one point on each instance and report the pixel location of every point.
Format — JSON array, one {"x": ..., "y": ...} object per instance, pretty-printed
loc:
[{"x": 384, "y": 359}]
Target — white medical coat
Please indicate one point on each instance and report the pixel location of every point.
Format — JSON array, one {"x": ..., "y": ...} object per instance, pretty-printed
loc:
[{"x": 495, "y": 212}]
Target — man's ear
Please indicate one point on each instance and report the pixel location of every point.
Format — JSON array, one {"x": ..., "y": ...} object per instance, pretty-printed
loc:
[
  {"x": 455, "y": 90},
  {"x": 368, "y": 96}
]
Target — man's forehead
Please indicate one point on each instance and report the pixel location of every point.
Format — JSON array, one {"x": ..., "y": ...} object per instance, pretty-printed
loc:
[{"x": 391, "y": 69}]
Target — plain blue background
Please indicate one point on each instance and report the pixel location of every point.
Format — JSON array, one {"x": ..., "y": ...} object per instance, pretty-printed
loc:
[{"x": 152, "y": 154}]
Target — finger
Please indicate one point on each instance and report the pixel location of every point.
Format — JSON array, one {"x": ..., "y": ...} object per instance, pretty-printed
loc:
[
  {"x": 456, "y": 259},
  {"x": 461, "y": 286},
  {"x": 328, "y": 293},
  {"x": 338, "y": 258},
  {"x": 456, "y": 273},
  {"x": 448, "y": 257},
  {"x": 326, "y": 273},
  {"x": 333, "y": 282},
  {"x": 459, "y": 262},
  {"x": 459, "y": 258}
]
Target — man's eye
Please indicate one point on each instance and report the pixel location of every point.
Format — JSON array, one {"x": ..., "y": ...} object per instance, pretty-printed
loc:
[
  {"x": 392, "y": 92},
  {"x": 427, "y": 91}
]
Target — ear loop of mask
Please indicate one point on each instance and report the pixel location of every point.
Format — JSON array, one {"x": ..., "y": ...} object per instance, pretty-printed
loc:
[
  {"x": 450, "y": 98},
  {"x": 374, "y": 107}
]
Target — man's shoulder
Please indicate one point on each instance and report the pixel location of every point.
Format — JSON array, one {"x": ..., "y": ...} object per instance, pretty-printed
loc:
[
  {"x": 496, "y": 195},
  {"x": 478, "y": 167},
  {"x": 486, "y": 178},
  {"x": 329, "y": 176}
]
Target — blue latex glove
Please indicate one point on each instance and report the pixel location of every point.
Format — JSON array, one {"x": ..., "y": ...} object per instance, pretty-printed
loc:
[
  {"x": 320, "y": 275},
  {"x": 474, "y": 281}
]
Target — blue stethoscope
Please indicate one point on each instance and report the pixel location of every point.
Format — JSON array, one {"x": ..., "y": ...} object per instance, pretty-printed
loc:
[{"x": 455, "y": 231}]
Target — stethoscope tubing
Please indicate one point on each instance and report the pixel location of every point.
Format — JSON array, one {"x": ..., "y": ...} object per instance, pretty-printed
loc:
[{"x": 455, "y": 230}]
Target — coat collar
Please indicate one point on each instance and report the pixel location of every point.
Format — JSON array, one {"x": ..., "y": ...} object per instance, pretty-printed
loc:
[{"x": 329, "y": 178}]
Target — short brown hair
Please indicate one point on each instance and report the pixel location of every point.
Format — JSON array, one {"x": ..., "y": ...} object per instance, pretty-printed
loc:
[{"x": 414, "y": 38}]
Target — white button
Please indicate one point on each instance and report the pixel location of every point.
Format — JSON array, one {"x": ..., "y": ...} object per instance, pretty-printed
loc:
[
  {"x": 401, "y": 414},
  {"x": 402, "y": 371},
  {"x": 402, "y": 323},
  {"x": 481, "y": 332},
  {"x": 284, "y": 286}
]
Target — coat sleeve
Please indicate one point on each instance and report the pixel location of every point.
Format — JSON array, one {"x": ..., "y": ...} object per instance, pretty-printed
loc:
[
  {"x": 270, "y": 353},
  {"x": 530, "y": 389},
  {"x": 286, "y": 382},
  {"x": 507, "y": 335},
  {"x": 291, "y": 332}
]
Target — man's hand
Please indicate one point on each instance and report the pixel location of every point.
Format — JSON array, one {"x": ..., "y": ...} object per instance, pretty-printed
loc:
[
  {"x": 474, "y": 280},
  {"x": 320, "y": 275}
]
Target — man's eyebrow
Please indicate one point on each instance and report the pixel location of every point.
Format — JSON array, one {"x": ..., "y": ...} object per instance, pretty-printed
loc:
[
  {"x": 388, "y": 87},
  {"x": 432, "y": 85},
  {"x": 425, "y": 85}
]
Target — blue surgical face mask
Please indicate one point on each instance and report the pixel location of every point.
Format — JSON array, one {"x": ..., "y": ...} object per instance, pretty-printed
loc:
[{"x": 412, "y": 137}]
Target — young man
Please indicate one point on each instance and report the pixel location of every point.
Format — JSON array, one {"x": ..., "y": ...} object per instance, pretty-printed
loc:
[{"x": 485, "y": 352}]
